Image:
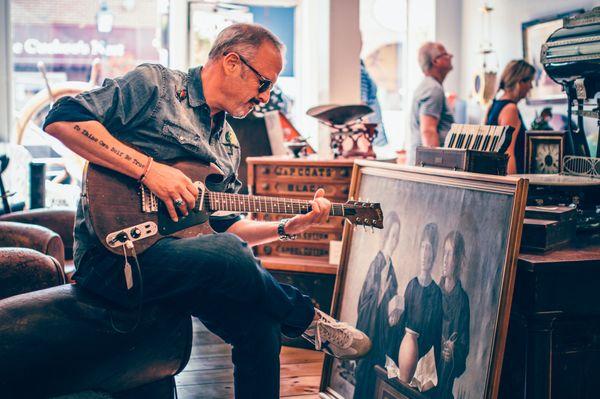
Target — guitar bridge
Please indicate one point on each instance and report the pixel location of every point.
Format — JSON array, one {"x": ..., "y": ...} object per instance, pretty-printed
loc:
[
  {"x": 133, "y": 233},
  {"x": 149, "y": 200}
]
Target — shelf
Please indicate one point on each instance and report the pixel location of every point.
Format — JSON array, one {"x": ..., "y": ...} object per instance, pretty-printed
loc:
[{"x": 298, "y": 265}]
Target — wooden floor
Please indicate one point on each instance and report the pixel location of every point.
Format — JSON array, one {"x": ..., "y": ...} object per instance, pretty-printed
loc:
[{"x": 209, "y": 373}]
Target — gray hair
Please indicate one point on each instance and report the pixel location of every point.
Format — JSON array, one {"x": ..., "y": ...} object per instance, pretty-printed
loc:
[
  {"x": 427, "y": 53},
  {"x": 244, "y": 39}
]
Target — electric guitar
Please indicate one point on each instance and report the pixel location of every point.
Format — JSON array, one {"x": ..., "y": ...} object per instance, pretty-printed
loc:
[{"x": 121, "y": 210}]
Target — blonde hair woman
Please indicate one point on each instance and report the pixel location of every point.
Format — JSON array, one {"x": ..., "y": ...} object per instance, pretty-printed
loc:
[{"x": 515, "y": 83}]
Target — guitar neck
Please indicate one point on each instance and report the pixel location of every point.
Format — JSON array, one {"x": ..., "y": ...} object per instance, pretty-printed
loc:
[{"x": 250, "y": 203}]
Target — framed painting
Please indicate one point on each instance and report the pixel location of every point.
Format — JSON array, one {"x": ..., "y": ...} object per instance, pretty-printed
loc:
[
  {"x": 544, "y": 151},
  {"x": 535, "y": 33},
  {"x": 433, "y": 288}
]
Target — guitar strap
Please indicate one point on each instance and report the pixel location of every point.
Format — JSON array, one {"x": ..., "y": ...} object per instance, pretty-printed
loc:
[
  {"x": 128, "y": 272},
  {"x": 127, "y": 267}
]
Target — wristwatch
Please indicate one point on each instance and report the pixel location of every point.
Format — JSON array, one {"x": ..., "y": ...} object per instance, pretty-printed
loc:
[{"x": 283, "y": 236}]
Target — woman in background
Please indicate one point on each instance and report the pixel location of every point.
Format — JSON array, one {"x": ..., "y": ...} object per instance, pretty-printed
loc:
[{"x": 515, "y": 83}]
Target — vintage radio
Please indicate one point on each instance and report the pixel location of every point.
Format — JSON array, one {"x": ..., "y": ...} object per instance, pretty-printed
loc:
[{"x": 470, "y": 148}]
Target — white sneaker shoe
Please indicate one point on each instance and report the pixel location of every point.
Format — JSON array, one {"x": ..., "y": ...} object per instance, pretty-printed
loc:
[{"x": 337, "y": 339}]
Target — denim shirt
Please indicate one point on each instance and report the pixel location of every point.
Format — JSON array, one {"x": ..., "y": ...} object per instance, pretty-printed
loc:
[{"x": 163, "y": 113}]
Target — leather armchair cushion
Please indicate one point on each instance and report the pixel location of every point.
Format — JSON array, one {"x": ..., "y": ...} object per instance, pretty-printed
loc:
[
  {"x": 60, "y": 340},
  {"x": 58, "y": 220},
  {"x": 24, "y": 270},
  {"x": 34, "y": 237}
]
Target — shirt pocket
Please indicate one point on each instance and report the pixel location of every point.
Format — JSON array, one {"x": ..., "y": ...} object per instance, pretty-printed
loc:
[
  {"x": 189, "y": 139},
  {"x": 182, "y": 135}
]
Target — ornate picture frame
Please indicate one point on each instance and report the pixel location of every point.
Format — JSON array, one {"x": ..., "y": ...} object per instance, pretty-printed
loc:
[
  {"x": 544, "y": 151},
  {"x": 392, "y": 285}
]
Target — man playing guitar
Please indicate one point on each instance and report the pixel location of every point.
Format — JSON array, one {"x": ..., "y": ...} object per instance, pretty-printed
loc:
[{"x": 135, "y": 125}]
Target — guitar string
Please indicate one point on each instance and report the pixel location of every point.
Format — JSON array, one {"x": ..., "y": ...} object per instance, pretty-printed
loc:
[{"x": 234, "y": 202}]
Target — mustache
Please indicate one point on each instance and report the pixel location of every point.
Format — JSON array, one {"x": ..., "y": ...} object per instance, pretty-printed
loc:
[{"x": 255, "y": 101}]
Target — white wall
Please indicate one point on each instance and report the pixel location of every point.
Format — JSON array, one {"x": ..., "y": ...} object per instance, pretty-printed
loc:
[
  {"x": 448, "y": 31},
  {"x": 507, "y": 17},
  {"x": 344, "y": 52}
]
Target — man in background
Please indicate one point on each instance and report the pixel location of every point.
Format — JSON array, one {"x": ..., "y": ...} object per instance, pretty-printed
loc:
[{"x": 430, "y": 114}]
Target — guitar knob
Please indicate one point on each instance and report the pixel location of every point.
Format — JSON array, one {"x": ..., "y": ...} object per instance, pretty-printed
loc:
[
  {"x": 135, "y": 233},
  {"x": 344, "y": 172},
  {"x": 265, "y": 186},
  {"x": 345, "y": 190},
  {"x": 266, "y": 171}
]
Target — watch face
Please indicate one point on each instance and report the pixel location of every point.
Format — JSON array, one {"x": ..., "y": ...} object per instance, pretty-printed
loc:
[{"x": 546, "y": 158}]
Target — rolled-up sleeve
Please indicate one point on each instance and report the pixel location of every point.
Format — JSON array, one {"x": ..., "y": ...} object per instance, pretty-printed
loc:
[{"x": 121, "y": 103}]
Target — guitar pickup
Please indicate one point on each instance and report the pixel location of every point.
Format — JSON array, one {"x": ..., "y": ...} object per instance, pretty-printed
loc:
[{"x": 132, "y": 233}]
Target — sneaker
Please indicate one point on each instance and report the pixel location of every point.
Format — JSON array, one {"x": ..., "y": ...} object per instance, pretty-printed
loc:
[{"x": 337, "y": 339}]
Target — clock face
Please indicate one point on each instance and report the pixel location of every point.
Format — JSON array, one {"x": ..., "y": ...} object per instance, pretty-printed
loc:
[{"x": 546, "y": 158}]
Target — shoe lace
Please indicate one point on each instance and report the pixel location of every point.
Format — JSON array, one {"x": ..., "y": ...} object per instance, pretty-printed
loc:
[{"x": 335, "y": 332}]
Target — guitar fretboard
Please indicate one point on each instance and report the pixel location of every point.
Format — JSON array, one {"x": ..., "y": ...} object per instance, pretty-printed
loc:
[{"x": 216, "y": 201}]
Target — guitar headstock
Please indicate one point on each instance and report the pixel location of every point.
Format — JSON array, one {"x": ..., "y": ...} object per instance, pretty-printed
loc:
[{"x": 366, "y": 214}]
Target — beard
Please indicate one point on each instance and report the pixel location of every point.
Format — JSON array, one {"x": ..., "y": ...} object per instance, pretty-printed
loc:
[{"x": 244, "y": 113}]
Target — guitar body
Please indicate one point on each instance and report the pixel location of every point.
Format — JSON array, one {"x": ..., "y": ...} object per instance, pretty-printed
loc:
[
  {"x": 113, "y": 203},
  {"x": 122, "y": 211}
]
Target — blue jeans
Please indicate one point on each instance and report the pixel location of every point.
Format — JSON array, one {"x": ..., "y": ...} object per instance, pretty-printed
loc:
[{"x": 216, "y": 278}]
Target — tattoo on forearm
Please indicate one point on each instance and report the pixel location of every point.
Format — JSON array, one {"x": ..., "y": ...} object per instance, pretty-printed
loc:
[{"x": 113, "y": 149}]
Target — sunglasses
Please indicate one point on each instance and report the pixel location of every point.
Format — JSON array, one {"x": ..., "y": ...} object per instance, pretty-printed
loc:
[{"x": 264, "y": 84}]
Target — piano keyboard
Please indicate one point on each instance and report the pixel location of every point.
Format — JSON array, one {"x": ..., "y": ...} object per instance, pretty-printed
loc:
[{"x": 486, "y": 138}]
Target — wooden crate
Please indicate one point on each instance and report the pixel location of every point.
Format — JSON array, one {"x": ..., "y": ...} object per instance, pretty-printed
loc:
[{"x": 299, "y": 178}]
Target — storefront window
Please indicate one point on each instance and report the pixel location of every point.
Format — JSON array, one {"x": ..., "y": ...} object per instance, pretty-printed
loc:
[
  {"x": 383, "y": 25},
  {"x": 63, "y": 39},
  {"x": 64, "y": 47}
]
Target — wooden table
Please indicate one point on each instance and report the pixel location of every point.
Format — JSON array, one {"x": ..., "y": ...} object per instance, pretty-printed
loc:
[{"x": 553, "y": 343}]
